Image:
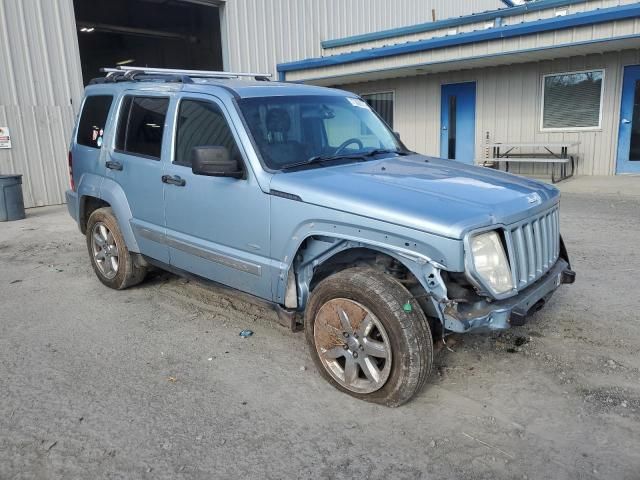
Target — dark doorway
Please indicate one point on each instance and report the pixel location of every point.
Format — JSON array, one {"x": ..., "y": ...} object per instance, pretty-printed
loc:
[{"x": 148, "y": 33}]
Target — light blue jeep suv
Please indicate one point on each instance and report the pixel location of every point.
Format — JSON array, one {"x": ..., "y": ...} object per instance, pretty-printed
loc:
[{"x": 303, "y": 197}]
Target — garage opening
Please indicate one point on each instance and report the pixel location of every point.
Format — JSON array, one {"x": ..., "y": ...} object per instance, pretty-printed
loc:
[{"x": 148, "y": 33}]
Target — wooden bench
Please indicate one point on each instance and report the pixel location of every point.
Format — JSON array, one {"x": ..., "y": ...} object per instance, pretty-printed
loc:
[{"x": 531, "y": 153}]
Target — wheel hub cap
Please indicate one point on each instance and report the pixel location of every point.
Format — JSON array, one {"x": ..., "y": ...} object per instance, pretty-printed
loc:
[
  {"x": 105, "y": 250},
  {"x": 353, "y": 345}
]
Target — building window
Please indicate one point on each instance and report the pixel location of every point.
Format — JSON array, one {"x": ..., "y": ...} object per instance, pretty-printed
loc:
[
  {"x": 572, "y": 101},
  {"x": 382, "y": 103}
]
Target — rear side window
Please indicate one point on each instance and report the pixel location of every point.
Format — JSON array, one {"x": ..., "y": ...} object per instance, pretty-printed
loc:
[
  {"x": 202, "y": 123},
  {"x": 141, "y": 125},
  {"x": 93, "y": 120}
]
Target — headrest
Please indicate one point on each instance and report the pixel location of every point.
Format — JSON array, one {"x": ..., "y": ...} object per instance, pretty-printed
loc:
[{"x": 278, "y": 120}]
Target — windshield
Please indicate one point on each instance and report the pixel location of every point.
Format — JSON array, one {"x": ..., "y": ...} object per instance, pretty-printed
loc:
[{"x": 294, "y": 130}]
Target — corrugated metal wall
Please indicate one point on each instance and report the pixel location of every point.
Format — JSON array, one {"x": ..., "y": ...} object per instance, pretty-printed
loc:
[
  {"x": 40, "y": 89},
  {"x": 511, "y": 20},
  {"x": 508, "y": 107},
  {"x": 261, "y": 34}
]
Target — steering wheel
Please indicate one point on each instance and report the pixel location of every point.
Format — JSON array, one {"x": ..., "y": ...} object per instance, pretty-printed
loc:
[{"x": 346, "y": 143}]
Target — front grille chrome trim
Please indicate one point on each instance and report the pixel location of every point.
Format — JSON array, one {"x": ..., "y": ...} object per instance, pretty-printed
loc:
[{"x": 533, "y": 247}]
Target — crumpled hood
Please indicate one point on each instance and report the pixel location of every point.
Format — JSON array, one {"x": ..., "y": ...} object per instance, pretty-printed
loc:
[{"x": 438, "y": 196}]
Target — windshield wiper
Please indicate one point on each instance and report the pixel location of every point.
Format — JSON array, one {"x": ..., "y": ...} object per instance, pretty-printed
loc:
[
  {"x": 379, "y": 151},
  {"x": 325, "y": 158},
  {"x": 349, "y": 156}
]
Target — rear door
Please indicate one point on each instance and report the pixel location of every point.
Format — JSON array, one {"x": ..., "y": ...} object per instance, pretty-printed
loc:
[
  {"x": 135, "y": 164},
  {"x": 217, "y": 227}
]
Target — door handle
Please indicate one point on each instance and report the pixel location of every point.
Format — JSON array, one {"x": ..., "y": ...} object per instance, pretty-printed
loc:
[
  {"x": 114, "y": 165},
  {"x": 624, "y": 120},
  {"x": 175, "y": 180}
]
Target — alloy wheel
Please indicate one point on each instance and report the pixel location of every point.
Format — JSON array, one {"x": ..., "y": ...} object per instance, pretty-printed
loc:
[
  {"x": 353, "y": 345},
  {"x": 105, "y": 250}
]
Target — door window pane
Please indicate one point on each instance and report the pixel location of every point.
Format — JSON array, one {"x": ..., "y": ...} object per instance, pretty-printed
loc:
[
  {"x": 572, "y": 100},
  {"x": 93, "y": 120},
  {"x": 202, "y": 123},
  {"x": 141, "y": 125},
  {"x": 382, "y": 103},
  {"x": 634, "y": 150},
  {"x": 453, "y": 101}
]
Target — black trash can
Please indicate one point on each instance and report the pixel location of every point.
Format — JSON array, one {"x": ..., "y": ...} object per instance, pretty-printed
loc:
[{"x": 11, "y": 201}]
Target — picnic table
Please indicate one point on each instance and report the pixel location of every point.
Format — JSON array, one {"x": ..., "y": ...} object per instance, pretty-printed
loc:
[{"x": 555, "y": 153}]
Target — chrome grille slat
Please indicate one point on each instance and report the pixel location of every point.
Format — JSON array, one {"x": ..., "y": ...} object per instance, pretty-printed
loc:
[
  {"x": 534, "y": 247},
  {"x": 545, "y": 243}
]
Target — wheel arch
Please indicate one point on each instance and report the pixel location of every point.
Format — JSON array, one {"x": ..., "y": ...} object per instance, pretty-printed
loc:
[
  {"x": 110, "y": 194},
  {"x": 319, "y": 256}
]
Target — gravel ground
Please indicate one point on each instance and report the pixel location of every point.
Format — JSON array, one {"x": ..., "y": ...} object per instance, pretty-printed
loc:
[{"x": 155, "y": 382}]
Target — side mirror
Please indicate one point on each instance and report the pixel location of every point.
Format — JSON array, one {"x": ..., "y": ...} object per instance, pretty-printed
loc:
[
  {"x": 214, "y": 161},
  {"x": 397, "y": 135}
]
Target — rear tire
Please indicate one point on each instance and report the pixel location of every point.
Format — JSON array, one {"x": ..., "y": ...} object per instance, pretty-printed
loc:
[
  {"x": 112, "y": 262},
  {"x": 385, "y": 335}
]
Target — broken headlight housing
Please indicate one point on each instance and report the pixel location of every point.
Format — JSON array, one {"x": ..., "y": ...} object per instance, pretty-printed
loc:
[{"x": 490, "y": 262}]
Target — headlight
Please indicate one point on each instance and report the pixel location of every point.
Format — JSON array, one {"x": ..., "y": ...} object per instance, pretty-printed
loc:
[{"x": 490, "y": 262}]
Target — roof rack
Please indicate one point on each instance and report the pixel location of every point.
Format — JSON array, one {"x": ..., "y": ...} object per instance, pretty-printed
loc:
[{"x": 172, "y": 74}]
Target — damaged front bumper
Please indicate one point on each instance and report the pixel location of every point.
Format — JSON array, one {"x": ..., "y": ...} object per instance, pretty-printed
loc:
[{"x": 514, "y": 311}]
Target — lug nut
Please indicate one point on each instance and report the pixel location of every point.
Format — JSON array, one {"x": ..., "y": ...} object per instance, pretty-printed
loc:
[
  {"x": 345, "y": 334},
  {"x": 346, "y": 347},
  {"x": 361, "y": 347},
  {"x": 355, "y": 354}
]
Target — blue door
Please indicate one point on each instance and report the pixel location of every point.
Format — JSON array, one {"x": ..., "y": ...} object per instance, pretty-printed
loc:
[
  {"x": 629, "y": 133},
  {"x": 458, "y": 122}
]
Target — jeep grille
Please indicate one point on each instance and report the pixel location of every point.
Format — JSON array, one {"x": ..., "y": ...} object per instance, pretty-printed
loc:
[{"x": 534, "y": 247}]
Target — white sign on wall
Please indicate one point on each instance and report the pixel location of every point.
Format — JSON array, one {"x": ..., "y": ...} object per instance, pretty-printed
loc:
[{"x": 5, "y": 137}]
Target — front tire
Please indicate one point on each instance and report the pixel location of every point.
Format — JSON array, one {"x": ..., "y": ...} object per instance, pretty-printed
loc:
[
  {"x": 368, "y": 337},
  {"x": 111, "y": 260}
]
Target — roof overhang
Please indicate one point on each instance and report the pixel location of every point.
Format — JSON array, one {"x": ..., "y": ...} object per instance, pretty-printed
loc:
[
  {"x": 482, "y": 61},
  {"x": 524, "y": 42}
]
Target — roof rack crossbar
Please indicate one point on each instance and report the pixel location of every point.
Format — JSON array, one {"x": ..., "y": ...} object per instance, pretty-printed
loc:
[
  {"x": 189, "y": 73},
  {"x": 118, "y": 75}
]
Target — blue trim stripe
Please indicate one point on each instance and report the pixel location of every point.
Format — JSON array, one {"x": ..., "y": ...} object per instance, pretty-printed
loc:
[
  {"x": 527, "y": 28},
  {"x": 494, "y": 55},
  {"x": 449, "y": 22}
]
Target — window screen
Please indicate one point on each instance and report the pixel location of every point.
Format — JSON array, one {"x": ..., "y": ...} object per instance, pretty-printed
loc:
[
  {"x": 93, "y": 120},
  {"x": 202, "y": 123},
  {"x": 382, "y": 103},
  {"x": 572, "y": 100},
  {"x": 141, "y": 125}
]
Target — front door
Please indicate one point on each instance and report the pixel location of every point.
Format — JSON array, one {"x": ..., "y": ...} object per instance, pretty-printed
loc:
[
  {"x": 217, "y": 227},
  {"x": 629, "y": 133},
  {"x": 458, "y": 122}
]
